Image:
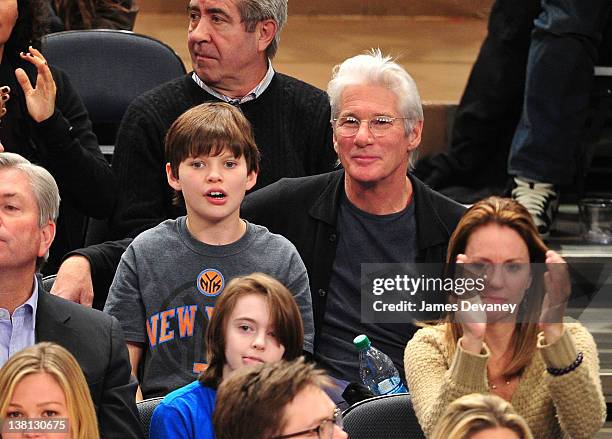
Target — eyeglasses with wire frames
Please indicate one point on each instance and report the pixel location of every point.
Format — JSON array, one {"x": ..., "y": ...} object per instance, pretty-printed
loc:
[
  {"x": 325, "y": 430},
  {"x": 348, "y": 126}
]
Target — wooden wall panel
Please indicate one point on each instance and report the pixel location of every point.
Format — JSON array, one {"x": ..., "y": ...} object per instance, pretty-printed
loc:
[{"x": 478, "y": 8}]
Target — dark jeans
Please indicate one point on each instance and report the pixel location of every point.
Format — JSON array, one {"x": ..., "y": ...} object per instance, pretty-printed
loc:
[
  {"x": 556, "y": 60},
  {"x": 490, "y": 107},
  {"x": 559, "y": 78}
]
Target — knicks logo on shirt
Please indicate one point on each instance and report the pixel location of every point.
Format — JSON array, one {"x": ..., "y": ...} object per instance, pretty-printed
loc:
[{"x": 210, "y": 282}]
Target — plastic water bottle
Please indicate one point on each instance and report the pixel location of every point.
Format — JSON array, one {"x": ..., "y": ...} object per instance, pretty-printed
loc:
[{"x": 376, "y": 369}]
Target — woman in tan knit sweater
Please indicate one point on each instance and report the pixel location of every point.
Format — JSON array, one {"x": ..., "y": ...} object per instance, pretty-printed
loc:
[{"x": 548, "y": 371}]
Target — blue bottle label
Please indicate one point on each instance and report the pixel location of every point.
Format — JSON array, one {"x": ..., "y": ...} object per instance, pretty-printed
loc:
[{"x": 391, "y": 385}]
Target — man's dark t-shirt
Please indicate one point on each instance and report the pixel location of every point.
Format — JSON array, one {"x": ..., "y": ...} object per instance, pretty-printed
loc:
[{"x": 363, "y": 238}]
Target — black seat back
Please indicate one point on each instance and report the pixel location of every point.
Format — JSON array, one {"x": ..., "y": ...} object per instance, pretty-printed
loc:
[
  {"x": 383, "y": 417},
  {"x": 145, "y": 412},
  {"x": 109, "y": 68}
]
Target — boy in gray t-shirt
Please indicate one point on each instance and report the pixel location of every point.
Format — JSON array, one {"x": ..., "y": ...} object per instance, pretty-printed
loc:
[{"x": 169, "y": 278}]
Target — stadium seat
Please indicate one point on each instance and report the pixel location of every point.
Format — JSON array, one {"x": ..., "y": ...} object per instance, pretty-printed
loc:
[
  {"x": 383, "y": 417},
  {"x": 145, "y": 412},
  {"x": 109, "y": 68},
  {"x": 48, "y": 282}
]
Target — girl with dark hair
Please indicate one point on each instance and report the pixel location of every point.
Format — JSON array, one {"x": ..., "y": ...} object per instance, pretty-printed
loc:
[
  {"x": 547, "y": 367},
  {"x": 46, "y": 122},
  {"x": 91, "y": 14},
  {"x": 255, "y": 320}
]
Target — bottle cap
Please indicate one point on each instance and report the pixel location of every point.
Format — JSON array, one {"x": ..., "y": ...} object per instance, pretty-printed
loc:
[{"x": 362, "y": 342}]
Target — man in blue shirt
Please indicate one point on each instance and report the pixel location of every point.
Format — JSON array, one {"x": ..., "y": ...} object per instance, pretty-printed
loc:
[{"x": 29, "y": 205}]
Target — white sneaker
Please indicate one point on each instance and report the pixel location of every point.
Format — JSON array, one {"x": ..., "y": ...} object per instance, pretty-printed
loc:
[{"x": 540, "y": 199}]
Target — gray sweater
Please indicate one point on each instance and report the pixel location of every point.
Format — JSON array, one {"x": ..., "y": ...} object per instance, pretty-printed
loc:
[{"x": 166, "y": 286}]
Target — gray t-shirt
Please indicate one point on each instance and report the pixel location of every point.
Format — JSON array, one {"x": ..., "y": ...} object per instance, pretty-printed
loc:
[
  {"x": 363, "y": 238},
  {"x": 166, "y": 286}
]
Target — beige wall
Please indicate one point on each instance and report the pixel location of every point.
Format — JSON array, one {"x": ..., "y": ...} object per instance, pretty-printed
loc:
[
  {"x": 365, "y": 7},
  {"x": 391, "y": 7},
  {"x": 162, "y": 5}
]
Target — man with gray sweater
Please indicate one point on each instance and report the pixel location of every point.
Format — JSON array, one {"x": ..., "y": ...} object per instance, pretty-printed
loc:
[{"x": 232, "y": 44}]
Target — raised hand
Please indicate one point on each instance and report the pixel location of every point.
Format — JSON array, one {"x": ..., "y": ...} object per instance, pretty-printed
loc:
[
  {"x": 557, "y": 289},
  {"x": 40, "y": 100},
  {"x": 473, "y": 323}
]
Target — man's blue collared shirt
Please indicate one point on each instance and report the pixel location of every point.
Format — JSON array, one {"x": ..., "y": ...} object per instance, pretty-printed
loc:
[{"x": 17, "y": 332}]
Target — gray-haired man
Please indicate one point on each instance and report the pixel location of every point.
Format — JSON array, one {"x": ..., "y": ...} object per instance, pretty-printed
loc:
[
  {"x": 29, "y": 205},
  {"x": 369, "y": 212},
  {"x": 231, "y": 43}
]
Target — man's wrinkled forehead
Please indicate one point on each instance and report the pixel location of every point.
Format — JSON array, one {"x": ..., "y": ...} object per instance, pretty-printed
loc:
[
  {"x": 15, "y": 185},
  {"x": 367, "y": 100}
]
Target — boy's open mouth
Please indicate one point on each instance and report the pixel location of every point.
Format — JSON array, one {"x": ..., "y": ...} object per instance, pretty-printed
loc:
[{"x": 215, "y": 194}]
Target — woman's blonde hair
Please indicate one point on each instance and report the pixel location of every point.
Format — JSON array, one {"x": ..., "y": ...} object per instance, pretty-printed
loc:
[
  {"x": 61, "y": 365},
  {"x": 476, "y": 412},
  {"x": 508, "y": 213}
]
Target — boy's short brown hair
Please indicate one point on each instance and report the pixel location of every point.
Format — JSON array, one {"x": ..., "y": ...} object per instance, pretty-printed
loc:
[
  {"x": 284, "y": 316},
  {"x": 252, "y": 402},
  {"x": 207, "y": 129}
]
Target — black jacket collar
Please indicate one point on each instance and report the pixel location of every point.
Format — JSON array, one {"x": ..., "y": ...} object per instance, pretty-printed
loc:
[
  {"x": 50, "y": 319},
  {"x": 431, "y": 230}
]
